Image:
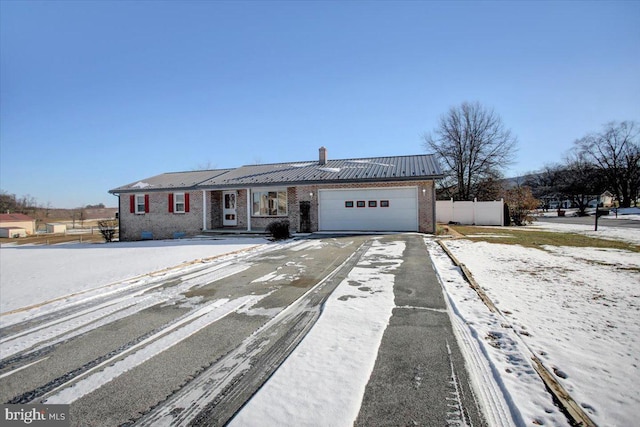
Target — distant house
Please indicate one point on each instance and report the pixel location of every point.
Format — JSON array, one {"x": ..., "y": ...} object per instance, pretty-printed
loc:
[
  {"x": 606, "y": 199},
  {"x": 56, "y": 228},
  {"x": 16, "y": 225},
  {"x": 365, "y": 194}
]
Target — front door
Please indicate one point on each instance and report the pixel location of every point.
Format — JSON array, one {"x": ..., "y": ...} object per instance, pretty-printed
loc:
[{"x": 229, "y": 211}]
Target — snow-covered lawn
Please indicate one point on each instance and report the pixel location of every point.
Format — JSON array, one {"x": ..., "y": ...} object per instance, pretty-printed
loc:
[
  {"x": 576, "y": 309},
  {"x": 604, "y": 232},
  {"x": 32, "y": 274},
  {"x": 628, "y": 214}
]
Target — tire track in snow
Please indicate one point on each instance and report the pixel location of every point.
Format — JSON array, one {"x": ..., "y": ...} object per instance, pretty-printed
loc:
[
  {"x": 109, "y": 309},
  {"x": 221, "y": 390},
  {"x": 143, "y": 351}
]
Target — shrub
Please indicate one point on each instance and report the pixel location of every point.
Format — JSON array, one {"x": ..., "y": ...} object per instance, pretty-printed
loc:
[
  {"x": 108, "y": 228},
  {"x": 521, "y": 203},
  {"x": 279, "y": 230}
]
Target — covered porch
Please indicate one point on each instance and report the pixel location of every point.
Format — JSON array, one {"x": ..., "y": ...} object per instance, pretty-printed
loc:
[{"x": 247, "y": 210}]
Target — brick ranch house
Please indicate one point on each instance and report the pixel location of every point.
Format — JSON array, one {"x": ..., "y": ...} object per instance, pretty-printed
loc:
[{"x": 368, "y": 194}]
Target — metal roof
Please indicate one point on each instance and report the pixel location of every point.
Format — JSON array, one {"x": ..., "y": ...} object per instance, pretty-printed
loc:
[
  {"x": 15, "y": 217},
  {"x": 171, "y": 180},
  {"x": 373, "y": 169}
]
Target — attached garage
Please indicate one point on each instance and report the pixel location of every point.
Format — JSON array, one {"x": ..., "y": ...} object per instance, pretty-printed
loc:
[{"x": 370, "y": 209}]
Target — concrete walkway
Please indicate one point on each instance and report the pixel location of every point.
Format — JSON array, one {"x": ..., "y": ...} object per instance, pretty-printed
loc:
[{"x": 419, "y": 377}]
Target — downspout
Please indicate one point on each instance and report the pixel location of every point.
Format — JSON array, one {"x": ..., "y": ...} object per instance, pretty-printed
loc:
[
  {"x": 248, "y": 209},
  {"x": 433, "y": 206},
  {"x": 204, "y": 210}
]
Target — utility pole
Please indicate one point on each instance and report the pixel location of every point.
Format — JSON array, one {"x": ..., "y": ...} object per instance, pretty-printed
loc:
[{"x": 597, "y": 204}]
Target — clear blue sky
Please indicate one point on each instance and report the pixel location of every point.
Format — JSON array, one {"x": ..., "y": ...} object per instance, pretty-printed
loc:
[{"x": 95, "y": 95}]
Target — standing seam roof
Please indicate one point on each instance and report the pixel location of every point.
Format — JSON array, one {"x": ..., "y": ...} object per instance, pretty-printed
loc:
[{"x": 397, "y": 168}]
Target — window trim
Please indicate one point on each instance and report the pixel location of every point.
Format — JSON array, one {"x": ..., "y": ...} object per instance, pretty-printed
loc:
[
  {"x": 173, "y": 203},
  {"x": 183, "y": 203},
  {"x": 281, "y": 195},
  {"x": 373, "y": 203},
  {"x": 138, "y": 198},
  {"x": 361, "y": 204},
  {"x": 348, "y": 204}
]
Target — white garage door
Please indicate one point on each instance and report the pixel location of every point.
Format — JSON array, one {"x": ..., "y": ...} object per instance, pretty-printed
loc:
[{"x": 373, "y": 209}]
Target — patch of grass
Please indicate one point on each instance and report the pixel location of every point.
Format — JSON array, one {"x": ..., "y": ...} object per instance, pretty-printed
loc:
[
  {"x": 537, "y": 239},
  {"x": 446, "y": 230}
]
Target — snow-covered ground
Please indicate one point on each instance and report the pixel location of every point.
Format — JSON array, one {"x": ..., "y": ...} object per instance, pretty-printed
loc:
[
  {"x": 32, "y": 274},
  {"x": 577, "y": 309},
  {"x": 604, "y": 232},
  {"x": 629, "y": 214}
]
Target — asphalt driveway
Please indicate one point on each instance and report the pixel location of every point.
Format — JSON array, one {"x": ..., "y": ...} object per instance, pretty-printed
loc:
[
  {"x": 212, "y": 336},
  {"x": 419, "y": 377}
]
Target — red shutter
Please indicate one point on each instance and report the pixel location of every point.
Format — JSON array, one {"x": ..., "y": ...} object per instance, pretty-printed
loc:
[
  {"x": 170, "y": 202},
  {"x": 132, "y": 203},
  {"x": 186, "y": 202},
  {"x": 146, "y": 203}
]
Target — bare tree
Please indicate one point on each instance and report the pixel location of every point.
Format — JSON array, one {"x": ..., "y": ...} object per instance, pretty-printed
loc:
[
  {"x": 616, "y": 152},
  {"x": 544, "y": 184},
  {"x": 474, "y": 146},
  {"x": 82, "y": 215},
  {"x": 207, "y": 165},
  {"x": 579, "y": 180},
  {"x": 7, "y": 202}
]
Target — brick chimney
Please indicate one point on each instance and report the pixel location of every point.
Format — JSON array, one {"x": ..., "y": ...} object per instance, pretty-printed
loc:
[{"x": 323, "y": 156}]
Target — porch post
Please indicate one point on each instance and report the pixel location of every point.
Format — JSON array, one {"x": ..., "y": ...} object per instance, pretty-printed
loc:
[
  {"x": 248, "y": 209},
  {"x": 204, "y": 210}
]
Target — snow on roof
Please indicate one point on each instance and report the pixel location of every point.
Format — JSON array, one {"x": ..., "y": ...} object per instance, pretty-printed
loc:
[{"x": 301, "y": 165}]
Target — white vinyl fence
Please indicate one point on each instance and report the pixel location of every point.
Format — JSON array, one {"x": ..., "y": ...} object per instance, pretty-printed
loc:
[{"x": 470, "y": 213}]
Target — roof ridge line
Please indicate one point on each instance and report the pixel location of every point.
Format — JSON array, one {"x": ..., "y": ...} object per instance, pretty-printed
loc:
[{"x": 311, "y": 162}]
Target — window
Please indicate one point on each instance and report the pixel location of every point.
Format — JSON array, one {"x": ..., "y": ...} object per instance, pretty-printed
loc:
[
  {"x": 384, "y": 203},
  {"x": 373, "y": 203},
  {"x": 348, "y": 204},
  {"x": 178, "y": 202},
  {"x": 139, "y": 203},
  {"x": 178, "y": 199},
  {"x": 270, "y": 203},
  {"x": 360, "y": 204}
]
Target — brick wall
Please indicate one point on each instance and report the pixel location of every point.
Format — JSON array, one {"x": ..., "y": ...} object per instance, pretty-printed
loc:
[
  {"x": 241, "y": 208},
  {"x": 161, "y": 223},
  {"x": 215, "y": 207}
]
